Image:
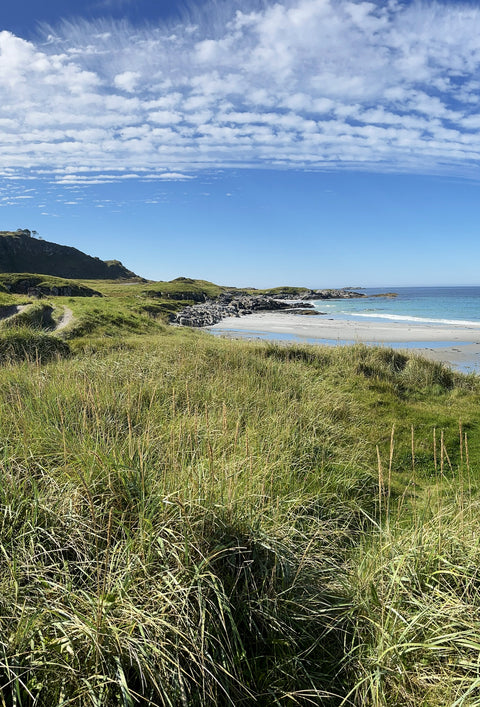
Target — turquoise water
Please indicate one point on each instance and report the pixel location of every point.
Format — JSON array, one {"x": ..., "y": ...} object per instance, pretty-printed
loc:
[{"x": 421, "y": 305}]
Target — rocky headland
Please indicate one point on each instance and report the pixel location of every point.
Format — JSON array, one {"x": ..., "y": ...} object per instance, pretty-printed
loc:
[
  {"x": 22, "y": 252},
  {"x": 211, "y": 312},
  {"x": 318, "y": 294}
]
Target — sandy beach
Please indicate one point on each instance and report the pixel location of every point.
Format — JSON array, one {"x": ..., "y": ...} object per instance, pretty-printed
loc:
[{"x": 458, "y": 346}]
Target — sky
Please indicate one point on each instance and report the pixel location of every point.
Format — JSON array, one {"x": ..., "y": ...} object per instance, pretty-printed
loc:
[{"x": 324, "y": 143}]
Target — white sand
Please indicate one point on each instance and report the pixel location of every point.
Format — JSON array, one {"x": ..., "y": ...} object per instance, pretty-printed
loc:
[{"x": 459, "y": 345}]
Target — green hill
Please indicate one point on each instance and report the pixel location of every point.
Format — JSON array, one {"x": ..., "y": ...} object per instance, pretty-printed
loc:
[{"x": 21, "y": 253}]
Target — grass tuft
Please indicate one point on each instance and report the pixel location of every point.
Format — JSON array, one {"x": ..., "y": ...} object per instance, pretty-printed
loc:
[{"x": 25, "y": 344}]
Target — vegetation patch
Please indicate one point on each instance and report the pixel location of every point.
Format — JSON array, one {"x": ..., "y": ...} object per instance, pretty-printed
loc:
[
  {"x": 37, "y": 316},
  {"x": 193, "y": 521},
  {"x": 24, "y": 344},
  {"x": 185, "y": 289},
  {"x": 43, "y": 285}
]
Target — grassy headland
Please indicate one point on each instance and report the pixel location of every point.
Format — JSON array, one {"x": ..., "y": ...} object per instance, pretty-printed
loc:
[{"x": 193, "y": 521}]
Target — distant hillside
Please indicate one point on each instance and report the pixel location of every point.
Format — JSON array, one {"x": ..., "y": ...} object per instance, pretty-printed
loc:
[{"x": 22, "y": 253}]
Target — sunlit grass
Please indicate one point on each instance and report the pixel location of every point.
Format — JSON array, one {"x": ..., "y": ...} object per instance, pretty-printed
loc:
[{"x": 191, "y": 521}]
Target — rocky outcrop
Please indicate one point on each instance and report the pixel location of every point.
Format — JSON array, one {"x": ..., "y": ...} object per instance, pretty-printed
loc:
[
  {"x": 311, "y": 312},
  {"x": 213, "y": 311},
  {"x": 62, "y": 291},
  {"x": 181, "y": 295},
  {"x": 38, "y": 287},
  {"x": 320, "y": 294}
]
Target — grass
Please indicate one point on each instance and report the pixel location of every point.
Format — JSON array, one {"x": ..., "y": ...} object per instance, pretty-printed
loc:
[
  {"x": 108, "y": 317},
  {"x": 21, "y": 343},
  {"x": 22, "y": 282},
  {"x": 135, "y": 307},
  {"x": 36, "y": 316},
  {"x": 415, "y": 610},
  {"x": 193, "y": 521},
  {"x": 132, "y": 307}
]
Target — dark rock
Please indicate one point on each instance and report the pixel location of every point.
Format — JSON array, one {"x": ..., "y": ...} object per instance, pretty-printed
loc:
[
  {"x": 20, "y": 253},
  {"x": 36, "y": 286},
  {"x": 321, "y": 294},
  {"x": 310, "y": 312},
  {"x": 193, "y": 296},
  {"x": 231, "y": 305}
]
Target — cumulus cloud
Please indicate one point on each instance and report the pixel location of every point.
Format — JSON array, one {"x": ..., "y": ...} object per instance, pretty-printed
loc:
[
  {"x": 126, "y": 81},
  {"x": 383, "y": 86}
]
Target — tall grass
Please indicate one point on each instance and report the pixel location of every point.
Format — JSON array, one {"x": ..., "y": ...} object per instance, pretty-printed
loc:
[
  {"x": 194, "y": 522},
  {"x": 36, "y": 316},
  {"x": 23, "y": 343},
  {"x": 414, "y": 593}
]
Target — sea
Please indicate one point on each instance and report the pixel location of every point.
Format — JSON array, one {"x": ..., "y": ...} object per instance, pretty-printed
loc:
[{"x": 417, "y": 305}]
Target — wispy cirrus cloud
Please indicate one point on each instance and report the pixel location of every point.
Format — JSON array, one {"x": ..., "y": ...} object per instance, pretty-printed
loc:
[{"x": 296, "y": 84}]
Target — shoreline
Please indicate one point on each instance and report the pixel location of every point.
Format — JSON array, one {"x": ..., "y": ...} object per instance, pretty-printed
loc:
[{"x": 455, "y": 345}]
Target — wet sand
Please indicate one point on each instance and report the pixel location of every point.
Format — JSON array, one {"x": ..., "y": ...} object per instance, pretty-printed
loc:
[{"x": 458, "y": 346}]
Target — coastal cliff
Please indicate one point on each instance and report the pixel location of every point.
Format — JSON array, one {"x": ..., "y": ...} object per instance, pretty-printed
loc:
[{"x": 21, "y": 252}]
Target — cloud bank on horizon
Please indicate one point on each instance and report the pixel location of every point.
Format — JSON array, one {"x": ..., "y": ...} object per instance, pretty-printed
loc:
[{"x": 295, "y": 84}]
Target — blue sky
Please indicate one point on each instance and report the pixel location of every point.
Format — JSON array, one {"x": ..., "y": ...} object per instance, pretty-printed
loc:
[{"x": 315, "y": 142}]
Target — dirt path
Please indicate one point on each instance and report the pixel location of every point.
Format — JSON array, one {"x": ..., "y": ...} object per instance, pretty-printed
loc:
[
  {"x": 10, "y": 311},
  {"x": 65, "y": 319}
]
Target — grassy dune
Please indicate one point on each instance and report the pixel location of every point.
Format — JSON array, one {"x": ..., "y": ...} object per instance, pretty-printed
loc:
[{"x": 191, "y": 521}]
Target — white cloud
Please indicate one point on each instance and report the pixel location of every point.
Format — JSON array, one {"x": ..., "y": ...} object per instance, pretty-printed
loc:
[
  {"x": 172, "y": 176},
  {"x": 164, "y": 117},
  {"x": 126, "y": 81},
  {"x": 288, "y": 83}
]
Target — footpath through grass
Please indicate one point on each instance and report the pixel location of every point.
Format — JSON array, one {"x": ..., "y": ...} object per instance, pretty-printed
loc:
[{"x": 191, "y": 521}]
